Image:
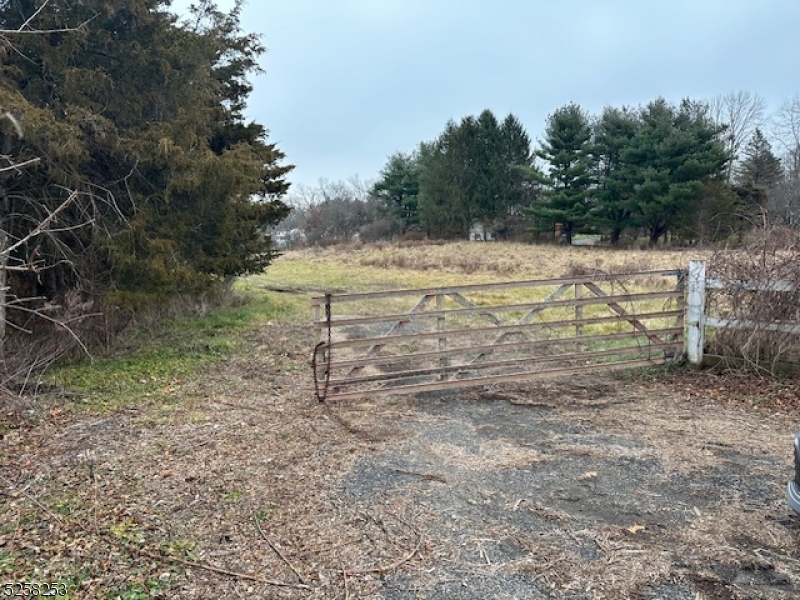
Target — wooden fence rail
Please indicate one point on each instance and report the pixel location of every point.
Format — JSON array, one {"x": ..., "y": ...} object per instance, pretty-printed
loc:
[{"x": 697, "y": 319}]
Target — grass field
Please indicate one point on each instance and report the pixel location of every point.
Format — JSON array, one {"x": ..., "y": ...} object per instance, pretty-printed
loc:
[{"x": 384, "y": 266}]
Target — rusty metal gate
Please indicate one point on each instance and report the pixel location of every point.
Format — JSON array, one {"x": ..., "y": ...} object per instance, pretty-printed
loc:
[{"x": 406, "y": 341}]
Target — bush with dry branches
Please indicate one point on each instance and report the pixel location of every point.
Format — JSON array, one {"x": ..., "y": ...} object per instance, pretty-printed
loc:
[{"x": 760, "y": 299}]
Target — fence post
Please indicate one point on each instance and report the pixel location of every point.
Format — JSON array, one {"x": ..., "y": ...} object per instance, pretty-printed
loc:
[
  {"x": 579, "y": 315},
  {"x": 695, "y": 311},
  {"x": 440, "y": 326},
  {"x": 317, "y": 322}
]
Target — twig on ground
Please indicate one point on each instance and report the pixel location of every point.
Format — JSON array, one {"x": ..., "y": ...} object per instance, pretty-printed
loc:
[
  {"x": 219, "y": 570},
  {"x": 147, "y": 554},
  {"x": 387, "y": 568},
  {"x": 278, "y": 550},
  {"x": 23, "y": 492},
  {"x": 425, "y": 476}
]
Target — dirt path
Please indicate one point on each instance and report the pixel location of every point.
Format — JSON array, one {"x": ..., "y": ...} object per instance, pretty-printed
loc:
[{"x": 589, "y": 488}]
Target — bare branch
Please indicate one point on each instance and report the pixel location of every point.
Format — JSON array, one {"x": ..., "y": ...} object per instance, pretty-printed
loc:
[
  {"x": 26, "y": 29},
  {"x": 34, "y": 15},
  {"x": 741, "y": 113},
  {"x": 58, "y": 323},
  {"x": 19, "y": 166},
  {"x": 41, "y": 226},
  {"x": 14, "y": 122},
  {"x": 786, "y": 130}
]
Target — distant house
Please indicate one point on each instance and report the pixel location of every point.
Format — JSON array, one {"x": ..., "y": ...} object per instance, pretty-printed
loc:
[
  {"x": 591, "y": 239},
  {"x": 481, "y": 232},
  {"x": 289, "y": 239}
]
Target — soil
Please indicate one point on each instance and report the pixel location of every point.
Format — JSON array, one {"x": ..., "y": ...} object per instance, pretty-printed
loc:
[{"x": 239, "y": 484}]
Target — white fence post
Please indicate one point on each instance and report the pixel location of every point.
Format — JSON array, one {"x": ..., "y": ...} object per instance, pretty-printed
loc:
[{"x": 695, "y": 311}]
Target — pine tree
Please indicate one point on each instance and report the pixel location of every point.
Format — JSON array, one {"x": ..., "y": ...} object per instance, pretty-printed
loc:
[
  {"x": 760, "y": 169},
  {"x": 673, "y": 152},
  {"x": 471, "y": 172},
  {"x": 399, "y": 185},
  {"x": 568, "y": 151},
  {"x": 614, "y": 193}
]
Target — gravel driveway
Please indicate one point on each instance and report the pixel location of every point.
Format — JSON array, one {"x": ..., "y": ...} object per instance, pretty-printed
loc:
[{"x": 594, "y": 487}]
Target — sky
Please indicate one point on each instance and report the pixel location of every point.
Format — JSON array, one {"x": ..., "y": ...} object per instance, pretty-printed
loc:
[{"x": 347, "y": 83}]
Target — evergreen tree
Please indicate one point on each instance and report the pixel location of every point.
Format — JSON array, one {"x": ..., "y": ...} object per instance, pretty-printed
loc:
[
  {"x": 445, "y": 180},
  {"x": 614, "y": 194},
  {"x": 145, "y": 117},
  {"x": 760, "y": 169},
  {"x": 399, "y": 184},
  {"x": 757, "y": 178},
  {"x": 517, "y": 159},
  {"x": 673, "y": 152},
  {"x": 714, "y": 215},
  {"x": 472, "y": 172},
  {"x": 568, "y": 151}
]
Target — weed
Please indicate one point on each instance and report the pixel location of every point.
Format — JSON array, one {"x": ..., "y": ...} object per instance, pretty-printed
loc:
[
  {"x": 233, "y": 496},
  {"x": 7, "y": 562},
  {"x": 180, "y": 549},
  {"x": 136, "y": 591},
  {"x": 128, "y": 530},
  {"x": 266, "y": 513}
]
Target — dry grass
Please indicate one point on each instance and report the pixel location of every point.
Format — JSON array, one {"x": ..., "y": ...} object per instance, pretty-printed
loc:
[
  {"x": 493, "y": 454},
  {"x": 352, "y": 267}
]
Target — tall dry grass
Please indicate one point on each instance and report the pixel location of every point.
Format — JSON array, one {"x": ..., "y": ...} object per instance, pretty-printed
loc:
[{"x": 482, "y": 261}]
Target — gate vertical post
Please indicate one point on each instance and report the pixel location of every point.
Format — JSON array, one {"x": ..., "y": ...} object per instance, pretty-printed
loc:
[
  {"x": 440, "y": 326},
  {"x": 680, "y": 320},
  {"x": 317, "y": 324},
  {"x": 695, "y": 311},
  {"x": 579, "y": 314}
]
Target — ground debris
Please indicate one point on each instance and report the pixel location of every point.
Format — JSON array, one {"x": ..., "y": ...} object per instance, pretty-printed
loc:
[{"x": 244, "y": 486}]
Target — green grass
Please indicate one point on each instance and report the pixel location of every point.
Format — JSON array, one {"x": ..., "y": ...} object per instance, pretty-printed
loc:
[
  {"x": 137, "y": 591},
  {"x": 160, "y": 357},
  {"x": 331, "y": 272},
  {"x": 7, "y": 562}
]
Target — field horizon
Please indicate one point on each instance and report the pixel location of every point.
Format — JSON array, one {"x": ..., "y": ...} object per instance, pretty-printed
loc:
[{"x": 383, "y": 265}]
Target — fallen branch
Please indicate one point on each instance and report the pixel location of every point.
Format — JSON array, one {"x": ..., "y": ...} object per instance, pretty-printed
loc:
[
  {"x": 278, "y": 550},
  {"x": 388, "y": 568},
  {"x": 105, "y": 536},
  {"x": 219, "y": 570}
]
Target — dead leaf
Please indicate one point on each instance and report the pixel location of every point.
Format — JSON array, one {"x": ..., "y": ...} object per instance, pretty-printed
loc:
[
  {"x": 589, "y": 475},
  {"x": 635, "y": 529}
]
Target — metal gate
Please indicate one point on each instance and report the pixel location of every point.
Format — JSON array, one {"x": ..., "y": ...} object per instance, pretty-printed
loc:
[{"x": 406, "y": 341}]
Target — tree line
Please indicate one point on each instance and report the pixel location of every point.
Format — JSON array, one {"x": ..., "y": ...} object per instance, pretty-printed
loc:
[
  {"x": 128, "y": 171},
  {"x": 695, "y": 172}
]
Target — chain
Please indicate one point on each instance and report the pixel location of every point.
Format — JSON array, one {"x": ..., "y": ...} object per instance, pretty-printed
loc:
[{"x": 322, "y": 391}]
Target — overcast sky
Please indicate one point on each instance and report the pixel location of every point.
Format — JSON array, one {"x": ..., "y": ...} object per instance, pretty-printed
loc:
[{"x": 349, "y": 82}]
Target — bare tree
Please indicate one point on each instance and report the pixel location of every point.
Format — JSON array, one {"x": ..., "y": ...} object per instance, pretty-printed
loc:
[
  {"x": 10, "y": 262},
  {"x": 46, "y": 225},
  {"x": 785, "y": 198},
  {"x": 740, "y": 113},
  {"x": 786, "y": 130}
]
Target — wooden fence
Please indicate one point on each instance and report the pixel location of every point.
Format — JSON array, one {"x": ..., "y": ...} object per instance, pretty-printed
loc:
[
  {"x": 456, "y": 336},
  {"x": 697, "y": 319}
]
